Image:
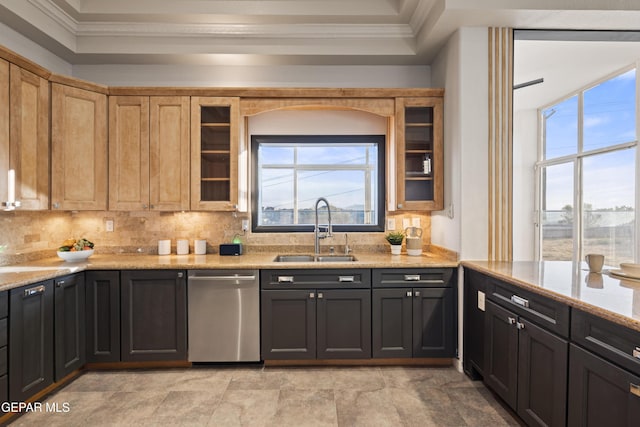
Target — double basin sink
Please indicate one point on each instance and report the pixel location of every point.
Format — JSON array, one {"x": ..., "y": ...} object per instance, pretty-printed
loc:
[{"x": 315, "y": 258}]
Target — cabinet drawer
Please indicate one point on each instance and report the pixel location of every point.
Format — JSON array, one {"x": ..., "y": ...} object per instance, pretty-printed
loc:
[
  {"x": 3, "y": 360},
  {"x": 4, "y": 304},
  {"x": 551, "y": 315},
  {"x": 412, "y": 277},
  {"x": 314, "y": 279},
  {"x": 614, "y": 342},
  {"x": 4, "y": 331}
]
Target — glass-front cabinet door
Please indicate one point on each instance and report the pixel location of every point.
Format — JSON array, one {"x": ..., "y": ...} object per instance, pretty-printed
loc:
[
  {"x": 214, "y": 153},
  {"x": 419, "y": 168}
]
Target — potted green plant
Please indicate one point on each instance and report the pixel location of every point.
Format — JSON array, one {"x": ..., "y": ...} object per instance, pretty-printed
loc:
[{"x": 395, "y": 239}]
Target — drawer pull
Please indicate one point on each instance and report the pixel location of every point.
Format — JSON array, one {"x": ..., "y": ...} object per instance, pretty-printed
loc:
[
  {"x": 34, "y": 290},
  {"x": 346, "y": 279},
  {"x": 285, "y": 279},
  {"x": 519, "y": 300},
  {"x": 634, "y": 389},
  {"x": 411, "y": 277},
  {"x": 636, "y": 352},
  {"x": 511, "y": 320},
  {"x": 60, "y": 283}
]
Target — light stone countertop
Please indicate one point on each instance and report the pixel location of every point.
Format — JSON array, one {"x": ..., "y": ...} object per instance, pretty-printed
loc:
[
  {"x": 49, "y": 268},
  {"x": 602, "y": 294}
]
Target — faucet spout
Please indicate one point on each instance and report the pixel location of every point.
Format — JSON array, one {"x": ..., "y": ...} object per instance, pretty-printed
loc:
[{"x": 316, "y": 231}]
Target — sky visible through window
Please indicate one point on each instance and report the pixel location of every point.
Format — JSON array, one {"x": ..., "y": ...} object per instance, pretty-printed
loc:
[
  {"x": 591, "y": 144},
  {"x": 609, "y": 119}
]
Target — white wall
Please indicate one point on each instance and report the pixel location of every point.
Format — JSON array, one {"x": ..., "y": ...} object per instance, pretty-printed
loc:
[
  {"x": 525, "y": 143},
  {"x": 462, "y": 69},
  {"x": 256, "y": 76},
  {"x": 32, "y": 51}
]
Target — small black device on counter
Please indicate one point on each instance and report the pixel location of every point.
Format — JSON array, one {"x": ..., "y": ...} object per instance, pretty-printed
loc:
[{"x": 231, "y": 249}]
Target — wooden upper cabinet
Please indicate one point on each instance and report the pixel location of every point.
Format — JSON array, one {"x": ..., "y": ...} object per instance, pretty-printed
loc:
[
  {"x": 148, "y": 153},
  {"x": 419, "y": 156},
  {"x": 128, "y": 152},
  {"x": 78, "y": 149},
  {"x": 4, "y": 128},
  {"x": 169, "y": 153},
  {"x": 214, "y": 153},
  {"x": 29, "y": 137}
]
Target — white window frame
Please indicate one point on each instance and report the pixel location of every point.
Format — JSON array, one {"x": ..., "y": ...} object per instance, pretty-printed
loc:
[{"x": 577, "y": 158}]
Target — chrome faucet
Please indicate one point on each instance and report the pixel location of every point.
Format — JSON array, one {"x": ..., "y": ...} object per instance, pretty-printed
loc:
[{"x": 327, "y": 233}]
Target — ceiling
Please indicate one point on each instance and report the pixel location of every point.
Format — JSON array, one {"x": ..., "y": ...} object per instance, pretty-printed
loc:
[{"x": 271, "y": 32}]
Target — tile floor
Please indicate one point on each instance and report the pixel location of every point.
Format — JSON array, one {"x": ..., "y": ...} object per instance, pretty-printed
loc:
[{"x": 259, "y": 396}]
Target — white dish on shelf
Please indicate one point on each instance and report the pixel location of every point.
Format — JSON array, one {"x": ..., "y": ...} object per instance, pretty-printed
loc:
[
  {"x": 620, "y": 273},
  {"x": 75, "y": 255}
]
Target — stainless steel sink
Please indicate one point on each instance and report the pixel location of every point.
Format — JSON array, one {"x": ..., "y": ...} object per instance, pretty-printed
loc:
[
  {"x": 335, "y": 258},
  {"x": 294, "y": 258},
  {"x": 316, "y": 258}
]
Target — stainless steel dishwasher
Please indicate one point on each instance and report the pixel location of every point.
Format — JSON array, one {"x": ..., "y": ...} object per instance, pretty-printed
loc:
[{"x": 224, "y": 315}]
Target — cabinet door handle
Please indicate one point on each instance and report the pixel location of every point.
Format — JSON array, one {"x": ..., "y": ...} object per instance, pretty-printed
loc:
[
  {"x": 511, "y": 320},
  {"x": 636, "y": 352},
  {"x": 519, "y": 300},
  {"x": 416, "y": 293},
  {"x": 33, "y": 291},
  {"x": 634, "y": 389},
  {"x": 411, "y": 277},
  {"x": 349, "y": 279},
  {"x": 320, "y": 295},
  {"x": 60, "y": 283},
  {"x": 520, "y": 325},
  {"x": 312, "y": 295},
  {"x": 285, "y": 279},
  {"x": 409, "y": 293}
]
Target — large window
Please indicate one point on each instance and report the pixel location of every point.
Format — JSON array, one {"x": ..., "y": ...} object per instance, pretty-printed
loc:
[
  {"x": 291, "y": 172},
  {"x": 587, "y": 171}
]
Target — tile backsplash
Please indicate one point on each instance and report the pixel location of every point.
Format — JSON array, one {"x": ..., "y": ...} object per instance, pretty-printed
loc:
[{"x": 29, "y": 235}]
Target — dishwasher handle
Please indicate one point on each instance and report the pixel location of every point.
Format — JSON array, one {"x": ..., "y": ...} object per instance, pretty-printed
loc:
[{"x": 222, "y": 278}]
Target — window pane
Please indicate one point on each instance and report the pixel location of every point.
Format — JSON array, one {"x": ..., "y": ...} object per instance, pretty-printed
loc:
[
  {"x": 557, "y": 212},
  {"x": 561, "y": 129},
  {"x": 276, "y": 197},
  {"x": 609, "y": 112},
  {"x": 609, "y": 200},
  {"x": 293, "y": 171}
]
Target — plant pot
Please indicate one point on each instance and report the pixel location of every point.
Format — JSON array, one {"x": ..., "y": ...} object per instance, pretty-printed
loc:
[{"x": 396, "y": 249}]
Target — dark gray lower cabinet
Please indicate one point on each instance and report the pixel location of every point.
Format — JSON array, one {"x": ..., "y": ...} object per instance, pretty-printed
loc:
[
  {"x": 154, "y": 315},
  {"x": 474, "y": 294},
  {"x": 526, "y": 366},
  {"x": 69, "y": 312},
  {"x": 601, "y": 393},
  {"x": 4, "y": 341},
  {"x": 288, "y": 326},
  {"x": 103, "y": 316},
  {"x": 30, "y": 340},
  {"x": 414, "y": 314},
  {"x": 343, "y": 324},
  {"x": 310, "y": 324}
]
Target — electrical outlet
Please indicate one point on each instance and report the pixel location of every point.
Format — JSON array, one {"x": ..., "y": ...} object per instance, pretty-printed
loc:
[
  {"x": 391, "y": 224},
  {"x": 405, "y": 223},
  {"x": 245, "y": 225},
  {"x": 415, "y": 222},
  {"x": 480, "y": 300},
  {"x": 108, "y": 225}
]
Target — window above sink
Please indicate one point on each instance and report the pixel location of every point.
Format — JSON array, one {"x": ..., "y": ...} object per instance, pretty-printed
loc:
[{"x": 291, "y": 172}]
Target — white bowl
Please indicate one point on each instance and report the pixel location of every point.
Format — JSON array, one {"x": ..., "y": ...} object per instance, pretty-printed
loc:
[
  {"x": 76, "y": 255},
  {"x": 630, "y": 269}
]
